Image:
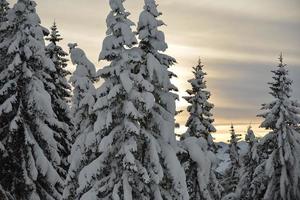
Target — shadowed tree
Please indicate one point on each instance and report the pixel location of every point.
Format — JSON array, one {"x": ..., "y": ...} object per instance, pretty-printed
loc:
[
  {"x": 26, "y": 115},
  {"x": 60, "y": 92}
]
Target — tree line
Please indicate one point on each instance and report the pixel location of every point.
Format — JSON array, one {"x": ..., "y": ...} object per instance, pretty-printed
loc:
[{"x": 63, "y": 138}]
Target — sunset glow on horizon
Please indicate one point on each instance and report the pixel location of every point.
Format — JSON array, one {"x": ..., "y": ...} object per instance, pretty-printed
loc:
[{"x": 238, "y": 42}]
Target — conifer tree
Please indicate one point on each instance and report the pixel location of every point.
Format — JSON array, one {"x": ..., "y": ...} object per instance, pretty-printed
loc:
[
  {"x": 199, "y": 160},
  {"x": 231, "y": 177},
  {"x": 157, "y": 64},
  {"x": 278, "y": 177},
  {"x": 26, "y": 115},
  {"x": 249, "y": 163},
  {"x": 82, "y": 110},
  {"x": 63, "y": 89},
  {"x": 60, "y": 92},
  {"x": 153, "y": 44},
  {"x": 134, "y": 161},
  {"x": 200, "y": 121}
]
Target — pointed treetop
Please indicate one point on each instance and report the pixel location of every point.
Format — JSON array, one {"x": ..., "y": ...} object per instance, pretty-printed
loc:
[
  {"x": 250, "y": 136},
  {"x": 281, "y": 58},
  {"x": 199, "y": 62},
  {"x": 54, "y": 36},
  {"x": 282, "y": 110},
  {"x": 234, "y": 136},
  {"x": 199, "y": 66}
]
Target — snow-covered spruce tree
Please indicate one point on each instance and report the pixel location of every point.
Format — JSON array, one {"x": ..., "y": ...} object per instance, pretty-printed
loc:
[
  {"x": 231, "y": 176},
  {"x": 199, "y": 160},
  {"x": 200, "y": 121},
  {"x": 135, "y": 162},
  {"x": 152, "y": 42},
  {"x": 157, "y": 64},
  {"x": 281, "y": 147},
  {"x": 82, "y": 110},
  {"x": 26, "y": 115},
  {"x": 60, "y": 91},
  {"x": 249, "y": 163}
]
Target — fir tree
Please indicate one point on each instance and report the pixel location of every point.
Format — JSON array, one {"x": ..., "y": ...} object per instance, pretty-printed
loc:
[
  {"x": 249, "y": 163},
  {"x": 278, "y": 177},
  {"x": 26, "y": 115},
  {"x": 63, "y": 89},
  {"x": 157, "y": 64},
  {"x": 82, "y": 110},
  {"x": 231, "y": 177},
  {"x": 152, "y": 42},
  {"x": 200, "y": 121},
  {"x": 199, "y": 160},
  {"x": 133, "y": 160},
  {"x": 60, "y": 92}
]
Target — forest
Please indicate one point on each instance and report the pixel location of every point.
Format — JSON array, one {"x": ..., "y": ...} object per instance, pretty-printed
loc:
[{"x": 64, "y": 138}]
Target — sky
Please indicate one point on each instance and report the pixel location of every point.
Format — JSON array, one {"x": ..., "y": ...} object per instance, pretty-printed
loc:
[{"x": 238, "y": 41}]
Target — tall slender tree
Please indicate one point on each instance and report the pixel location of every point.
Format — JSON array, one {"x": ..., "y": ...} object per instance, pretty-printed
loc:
[
  {"x": 134, "y": 162},
  {"x": 60, "y": 92},
  {"x": 157, "y": 64},
  {"x": 152, "y": 42},
  {"x": 200, "y": 121},
  {"x": 278, "y": 174},
  {"x": 249, "y": 163},
  {"x": 231, "y": 177},
  {"x": 199, "y": 161},
  {"x": 84, "y": 93},
  {"x": 26, "y": 115}
]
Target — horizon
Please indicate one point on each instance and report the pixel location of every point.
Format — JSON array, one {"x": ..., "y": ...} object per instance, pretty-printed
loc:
[{"x": 238, "y": 42}]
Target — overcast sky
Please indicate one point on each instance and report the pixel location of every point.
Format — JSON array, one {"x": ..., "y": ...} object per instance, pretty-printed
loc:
[{"x": 239, "y": 42}]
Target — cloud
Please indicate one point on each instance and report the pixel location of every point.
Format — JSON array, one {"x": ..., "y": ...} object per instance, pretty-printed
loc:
[{"x": 238, "y": 41}]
